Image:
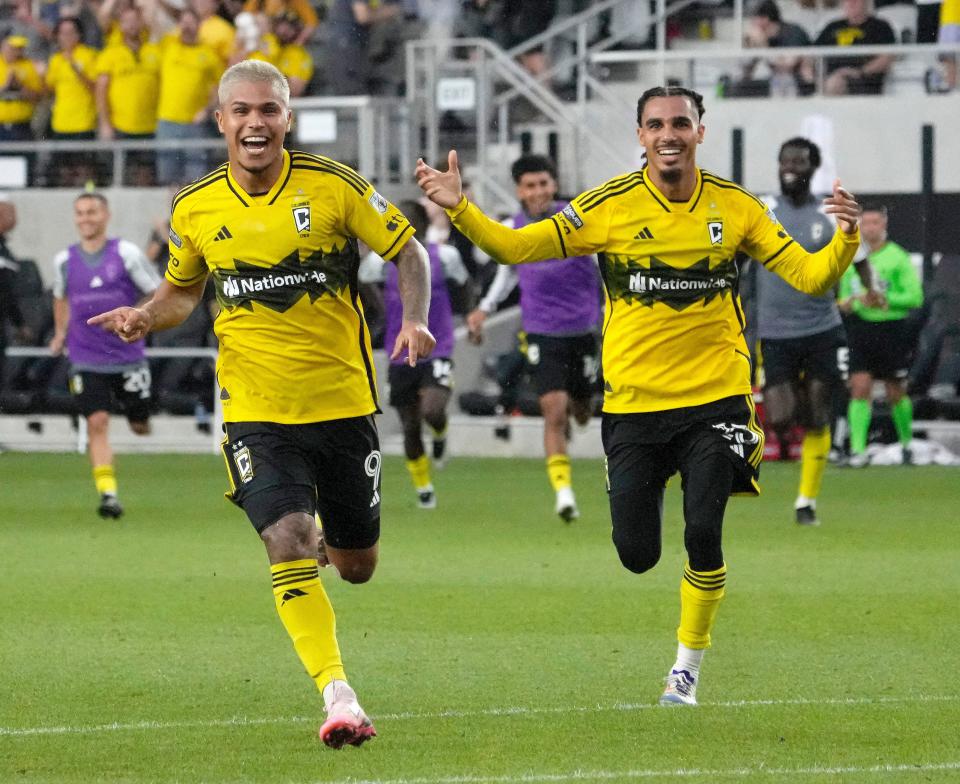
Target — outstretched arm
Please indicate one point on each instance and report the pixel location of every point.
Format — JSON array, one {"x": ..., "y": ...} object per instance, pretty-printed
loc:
[
  {"x": 170, "y": 305},
  {"x": 534, "y": 242},
  {"x": 413, "y": 280}
]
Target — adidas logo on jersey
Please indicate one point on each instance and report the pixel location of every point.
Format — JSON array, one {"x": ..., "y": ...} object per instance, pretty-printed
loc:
[
  {"x": 223, "y": 234},
  {"x": 643, "y": 234}
]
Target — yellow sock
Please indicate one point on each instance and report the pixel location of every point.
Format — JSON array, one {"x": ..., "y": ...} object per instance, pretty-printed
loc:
[
  {"x": 420, "y": 471},
  {"x": 439, "y": 435},
  {"x": 105, "y": 479},
  {"x": 700, "y": 595},
  {"x": 558, "y": 469},
  {"x": 308, "y": 617},
  {"x": 813, "y": 461}
]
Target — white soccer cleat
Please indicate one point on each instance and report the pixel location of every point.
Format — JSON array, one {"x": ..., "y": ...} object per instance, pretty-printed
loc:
[
  {"x": 681, "y": 689},
  {"x": 346, "y": 722},
  {"x": 567, "y": 505}
]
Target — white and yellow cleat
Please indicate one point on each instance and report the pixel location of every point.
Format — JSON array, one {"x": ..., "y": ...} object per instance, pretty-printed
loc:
[{"x": 681, "y": 689}]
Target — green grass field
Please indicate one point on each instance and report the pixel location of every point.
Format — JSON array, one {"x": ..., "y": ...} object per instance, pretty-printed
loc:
[{"x": 494, "y": 644}]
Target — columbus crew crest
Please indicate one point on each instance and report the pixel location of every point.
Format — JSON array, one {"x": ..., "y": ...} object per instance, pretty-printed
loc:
[
  {"x": 716, "y": 232},
  {"x": 301, "y": 218}
]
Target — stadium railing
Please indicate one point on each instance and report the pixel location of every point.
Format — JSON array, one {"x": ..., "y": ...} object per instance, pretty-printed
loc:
[
  {"x": 210, "y": 354},
  {"x": 367, "y": 132}
]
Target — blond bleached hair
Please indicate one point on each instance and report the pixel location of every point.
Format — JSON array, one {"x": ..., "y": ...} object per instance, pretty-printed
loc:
[{"x": 253, "y": 71}]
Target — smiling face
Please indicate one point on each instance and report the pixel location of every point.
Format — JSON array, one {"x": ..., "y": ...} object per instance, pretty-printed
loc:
[
  {"x": 536, "y": 192},
  {"x": 254, "y": 119},
  {"x": 90, "y": 216},
  {"x": 670, "y": 131},
  {"x": 796, "y": 170}
]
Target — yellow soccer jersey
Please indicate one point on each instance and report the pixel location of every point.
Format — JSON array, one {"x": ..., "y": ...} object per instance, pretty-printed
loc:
[
  {"x": 188, "y": 73},
  {"x": 294, "y": 346},
  {"x": 74, "y": 109},
  {"x": 295, "y": 62},
  {"x": 134, "y": 86},
  {"x": 673, "y": 328},
  {"x": 13, "y": 107}
]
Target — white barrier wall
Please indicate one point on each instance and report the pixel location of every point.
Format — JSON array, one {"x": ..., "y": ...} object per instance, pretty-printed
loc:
[{"x": 876, "y": 140}]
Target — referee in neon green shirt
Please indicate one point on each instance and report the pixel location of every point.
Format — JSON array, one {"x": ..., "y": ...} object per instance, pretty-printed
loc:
[{"x": 881, "y": 342}]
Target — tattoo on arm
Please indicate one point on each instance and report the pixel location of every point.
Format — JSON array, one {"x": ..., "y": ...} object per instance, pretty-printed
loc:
[{"x": 413, "y": 279}]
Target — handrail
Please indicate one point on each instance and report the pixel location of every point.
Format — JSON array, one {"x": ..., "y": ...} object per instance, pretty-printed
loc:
[
  {"x": 743, "y": 53},
  {"x": 198, "y": 352}
]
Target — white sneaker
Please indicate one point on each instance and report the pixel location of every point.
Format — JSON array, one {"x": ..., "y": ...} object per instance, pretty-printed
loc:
[
  {"x": 681, "y": 689},
  {"x": 858, "y": 460},
  {"x": 567, "y": 505},
  {"x": 346, "y": 722}
]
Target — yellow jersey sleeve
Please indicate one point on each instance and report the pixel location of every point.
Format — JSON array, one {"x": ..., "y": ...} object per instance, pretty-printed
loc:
[
  {"x": 813, "y": 273},
  {"x": 374, "y": 220},
  {"x": 186, "y": 266},
  {"x": 533, "y": 242}
]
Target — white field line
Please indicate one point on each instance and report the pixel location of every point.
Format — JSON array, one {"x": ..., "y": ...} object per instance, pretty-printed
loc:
[
  {"x": 245, "y": 721},
  {"x": 661, "y": 775}
]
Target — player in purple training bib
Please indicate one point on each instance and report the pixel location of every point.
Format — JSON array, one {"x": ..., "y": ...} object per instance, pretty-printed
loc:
[
  {"x": 95, "y": 275},
  {"x": 421, "y": 393},
  {"x": 560, "y": 311}
]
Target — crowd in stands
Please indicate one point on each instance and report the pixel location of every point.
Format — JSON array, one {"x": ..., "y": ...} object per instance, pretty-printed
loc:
[{"x": 853, "y": 23}]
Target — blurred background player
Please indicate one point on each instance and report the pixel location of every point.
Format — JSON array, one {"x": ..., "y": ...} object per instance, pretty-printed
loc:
[
  {"x": 9, "y": 302},
  {"x": 804, "y": 345},
  {"x": 675, "y": 361},
  {"x": 90, "y": 277},
  {"x": 560, "y": 312},
  {"x": 296, "y": 376},
  {"x": 421, "y": 393},
  {"x": 881, "y": 338}
]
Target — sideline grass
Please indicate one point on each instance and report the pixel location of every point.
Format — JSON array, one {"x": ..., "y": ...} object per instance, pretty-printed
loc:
[{"x": 832, "y": 653}]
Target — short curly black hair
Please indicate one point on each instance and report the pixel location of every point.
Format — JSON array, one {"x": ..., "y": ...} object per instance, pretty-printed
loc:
[
  {"x": 668, "y": 92},
  {"x": 804, "y": 144}
]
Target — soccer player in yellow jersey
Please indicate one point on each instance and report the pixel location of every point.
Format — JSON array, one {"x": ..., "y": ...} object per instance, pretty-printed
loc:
[
  {"x": 278, "y": 232},
  {"x": 675, "y": 362}
]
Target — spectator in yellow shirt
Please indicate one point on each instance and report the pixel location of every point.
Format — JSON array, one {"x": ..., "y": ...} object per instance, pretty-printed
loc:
[
  {"x": 215, "y": 31},
  {"x": 294, "y": 61},
  {"x": 254, "y": 40},
  {"x": 71, "y": 77},
  {"x": 128, "y": 86},
  {"x": 302, "y": 9},
  {"x": 20, "y": 89},
  {"x": 189, "y": 74}
]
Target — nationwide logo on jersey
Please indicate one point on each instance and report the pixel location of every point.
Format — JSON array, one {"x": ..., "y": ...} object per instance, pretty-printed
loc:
[
  {"x": 677, "y": 288},
  {"x": 301, "y": 218},
  {"x": 715, "y": 229},
  {"x": 281, "y": 286}
]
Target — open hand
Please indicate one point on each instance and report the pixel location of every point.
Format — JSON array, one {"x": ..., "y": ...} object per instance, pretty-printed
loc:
[
  {"x": 843, "y": 206},
  {"x": 442, "y": 188}
]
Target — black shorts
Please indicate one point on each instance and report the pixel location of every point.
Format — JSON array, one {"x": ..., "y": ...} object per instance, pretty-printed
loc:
[
  {"x": 648, "y": 448},
  {"x": 406, "y": 382},
  {"x": 329, "y": 467},
  {"x": 567, "y": 364},
  {"x": 881, "y": 348},
  {"x": 823, "y": 356},
  {"x": 127, "y": 392}
]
